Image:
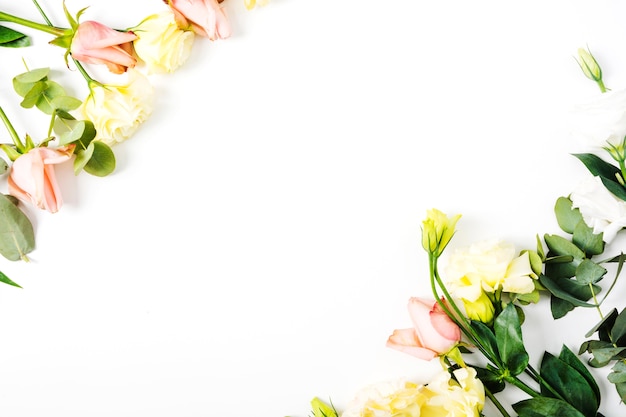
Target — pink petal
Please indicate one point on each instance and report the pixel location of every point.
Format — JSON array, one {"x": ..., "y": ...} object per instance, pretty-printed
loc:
[{"x": 406, "y": 341}]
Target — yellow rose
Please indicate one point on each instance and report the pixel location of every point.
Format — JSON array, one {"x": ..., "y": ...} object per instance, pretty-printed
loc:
[
  {"x": 482, "y": 309},
  {"x": 161, "y": 44},
  {"x": 117, "y": 110}
]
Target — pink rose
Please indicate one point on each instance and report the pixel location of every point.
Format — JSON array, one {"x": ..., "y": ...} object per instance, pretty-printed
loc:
[
  {"x": 206, "y": 17},
  {"x": 433, "y": 334},
  {"x": 95, "y": 43},
  {"x": 32, "y": 177}
]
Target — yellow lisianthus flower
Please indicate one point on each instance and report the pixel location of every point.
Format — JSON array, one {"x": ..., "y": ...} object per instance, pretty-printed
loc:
[{"x": 437, "y": 230}]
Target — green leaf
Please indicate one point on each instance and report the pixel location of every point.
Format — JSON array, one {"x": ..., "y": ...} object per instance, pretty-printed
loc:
[
  {"x": 561, "y": 246},
  {"x": 572, "y": 360},
  {"x": 102, "y": 161},
  {"x": 545, "y": 407},
  {"x": 597, "y": 166},
  {"x": 589, "y": 272},
  {"x": 3, "y": 166},
  {"x": 508, "y": 333},
  {"x": 12, "y": 38},
  {"x": 80, "y": 131},
  {"x": 51, "y": 91},
  {"x": 615, "y": 188},
  {"x": 22, "y": 83},
  {"x": 17, "y": 237},
  {"x": 34, "y": 94},
  {"x": 606, "y": 322},
  {"x": 618, "y": 373},
  {"x": 569, "y": 384},
  {"x": 65, "y": 103},
  {"x": 566, "y": 216},
  {"x": 568, "y": 290},
  {"x": 7, "y": 280},
  {"x": 605, "y": 355},
  {"x": 618, "y": 331},
  {"x": 559, "y": 307},
  {"x": 490, "y": 378},
  {"x": 585, "y": 239},
  {"x": 487, "y": 337}
]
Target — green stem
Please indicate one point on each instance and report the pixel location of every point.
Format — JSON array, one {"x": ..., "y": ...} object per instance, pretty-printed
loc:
[
  {"x": 601, "y": 85},
  {"x": 16, "y": 139},
  {"x": 33, "y": 25},
  {"x": 497, "y": 403},
  {"x": 42, "y": 13}
]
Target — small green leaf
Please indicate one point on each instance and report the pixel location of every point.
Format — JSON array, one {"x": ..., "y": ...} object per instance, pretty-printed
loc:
[
  {"x": 605, "y": 355},
  {"x": 17, "y": 237},
  {"x": 65, "y": 103},
  {"x": 585, "y": 239},
  {"x": 545, "y": 407},
  {"x": 508, "y": 333},
  {"x": 566, "y": 216},
  {"x": 32, "y": 76},
  {"x": 487, "y": 337},
  {"x": 597, "y": 166},
  {"x": 618, "y": 331},
  {"x": 568, "y": 290},
  {"x": 3, "y": 166},
  {"x": 51, "y": 91},
  {"x": 614, "y": 188},
  {"x": 561, "y": 246},
  {"x": 589, "y": 272},
  {"x": 7, "y": 280},
  {"x": 607, "y": 321},
  {"x": 13, "y": 39},
  {"x": 102, "y": 161},
  {"x": 34, "y": 94}
]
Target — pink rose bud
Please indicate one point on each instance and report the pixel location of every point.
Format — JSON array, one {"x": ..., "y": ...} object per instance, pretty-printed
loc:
[
  {"x": 32, "y": 178},
  {"x": 433, "y": 332},
  {"x": 206, "y": 17},
  {"x": 95, "y": 43}
]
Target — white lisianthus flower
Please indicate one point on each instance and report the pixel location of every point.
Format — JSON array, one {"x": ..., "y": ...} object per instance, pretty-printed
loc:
[
  {"x": 117, "y": 110},
  {"x": 441, "y": 397},
  {"x": 601, "y": 121},
  {"x": 601, "y": 210},
  {"x": 449, "y": 398},
  {"x": 488, "y": 266},
  {"x": 387, "y": 399},
  {"x": 161, "y": 44}
]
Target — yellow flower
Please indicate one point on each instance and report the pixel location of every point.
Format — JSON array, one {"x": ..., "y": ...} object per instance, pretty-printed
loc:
[
  {"x": 387, "y": 399},
  {"x": 437, "y": 230},
  {"x": 448, "y": 398},
  {"x": 161, "y": 44},
  {"x": 589, "y": 65},
  {"x": 482, "y": 309},
  {"x": 117, "y": 110}
]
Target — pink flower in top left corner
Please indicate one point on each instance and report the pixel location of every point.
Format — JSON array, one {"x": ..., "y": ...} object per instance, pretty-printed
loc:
[
  {"x": 433, "y": 333},
  {"x": 33, "y": 180},
  {"x": 95, "y": 43}
]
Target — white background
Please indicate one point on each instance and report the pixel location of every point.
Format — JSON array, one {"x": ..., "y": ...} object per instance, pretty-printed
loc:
[{"x": 261, "y": 236}]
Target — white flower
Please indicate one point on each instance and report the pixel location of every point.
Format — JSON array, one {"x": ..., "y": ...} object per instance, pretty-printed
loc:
[
  {"x": 387, "y": 399},
  {"x": 447, "y": 398},
  {"x": 161, "y": 44},
  {"x": 601, "y": 121},
  {"x": 488, "y": 266},
  {"x": 601, "y": 210},
  {"x": 117, "y": 111}
]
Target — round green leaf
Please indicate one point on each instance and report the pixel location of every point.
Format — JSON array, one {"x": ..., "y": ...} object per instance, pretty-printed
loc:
[
  {"x": 102, "y": 161},
  {"x": 17, "y": 237}
]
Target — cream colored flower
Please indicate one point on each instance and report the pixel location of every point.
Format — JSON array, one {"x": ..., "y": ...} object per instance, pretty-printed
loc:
[
  {"x": 437, "y": 230},
  {"x": 117, "y": 110},
  {"x": 161, "y": 44},
  {"x": 387, "y": 399},
  {"x": 488, "y": 266},
  {"x": 447, "y": 398},
  {"x": 601, "y": 210}
]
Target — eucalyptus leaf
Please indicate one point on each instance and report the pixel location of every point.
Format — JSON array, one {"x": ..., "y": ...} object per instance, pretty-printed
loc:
[
  {"x": 589, "y": 272},
  {"x": 4, "y": 166},
  {"x": 32, "y": 76},
  {"x": 545, "y": 407},
  {"x": 34, "y": 94},
  {"x": 102, "y": 161},
  {"x": 584, "y": 238},
  {"x": 82, "y": 156},
  {"x": 566, "y": 216},
  {"x": 508, "y": 333},
  {"x": 17, "y": 237},
  {"x": 560, "y": 307},
  {"x": 606, "y": 355},
  {"x": 618, "y": 331},
  {"x": 618, "y": 373},
  {"x": 607, "y": 321},
  {"x": 568, "y": 290},
  {"x": 65, "y": 103},
  {"x": 51, "y": 91},
  {"x": 561, "y": 246},
  {"x": 569, "y": 384}
]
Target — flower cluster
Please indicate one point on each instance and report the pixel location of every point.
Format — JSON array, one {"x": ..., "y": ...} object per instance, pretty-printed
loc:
[
  {"x": 83, "y": 132},
  {"x": 473, "y": 322}
]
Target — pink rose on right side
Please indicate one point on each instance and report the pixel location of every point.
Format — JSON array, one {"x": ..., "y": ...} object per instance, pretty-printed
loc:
[
  {"x": 205, "y": 17},
  {"x": 433, "y": 333}
]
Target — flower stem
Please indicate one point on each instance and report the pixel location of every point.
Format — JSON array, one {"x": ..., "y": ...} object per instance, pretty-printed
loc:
[
  {"x": 16, "y": 139},
  {"x": 52, "y": 30},
  {"x": 496, "y": 403},
  {"x": 42, "y": 13}
]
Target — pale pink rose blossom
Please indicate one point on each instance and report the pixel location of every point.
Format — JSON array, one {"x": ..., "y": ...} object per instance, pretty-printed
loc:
[
  {"x": 206, "y": 17},
  {"x": 433, "y": 332},
  {"x": 95, "y": 43},
  {"x": 33, "y": 180}
]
